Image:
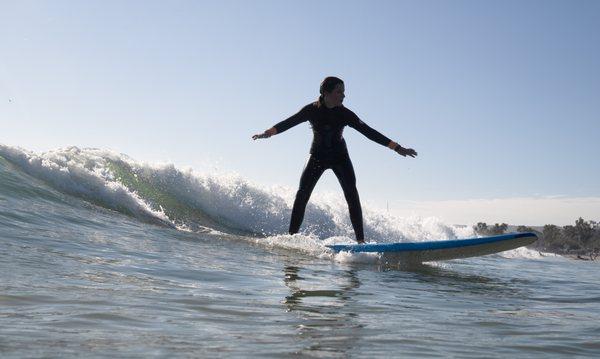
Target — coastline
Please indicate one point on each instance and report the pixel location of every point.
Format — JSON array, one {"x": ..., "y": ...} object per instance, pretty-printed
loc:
[{"x": 580, "y": 241}]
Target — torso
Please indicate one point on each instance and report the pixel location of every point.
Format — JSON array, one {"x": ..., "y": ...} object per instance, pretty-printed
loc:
[{"x": 328, "y": 127}]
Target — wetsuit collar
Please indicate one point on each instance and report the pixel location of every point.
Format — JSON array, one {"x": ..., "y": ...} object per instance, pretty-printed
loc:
[{"x": 322, "y": 104}]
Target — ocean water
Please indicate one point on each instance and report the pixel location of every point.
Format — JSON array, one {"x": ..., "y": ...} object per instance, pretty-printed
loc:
[{"x": 105, "y": 256}]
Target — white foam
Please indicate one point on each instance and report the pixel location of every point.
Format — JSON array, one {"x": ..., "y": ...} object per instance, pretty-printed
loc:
[
  {"x": 82, "y": 173},
  {"x": 524, "y": 252},
  {"x": 230, "y": 200}
]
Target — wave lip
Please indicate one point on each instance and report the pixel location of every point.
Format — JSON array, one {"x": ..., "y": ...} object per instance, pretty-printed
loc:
[{"x": 83, "y": 174}]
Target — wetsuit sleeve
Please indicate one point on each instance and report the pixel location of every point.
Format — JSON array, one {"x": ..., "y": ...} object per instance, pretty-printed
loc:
[
  {"x": 296, "y": 119},
  {"x": 373, "y": 135}
]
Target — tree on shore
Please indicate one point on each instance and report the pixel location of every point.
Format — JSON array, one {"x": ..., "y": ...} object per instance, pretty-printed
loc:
[
  {"x": 551, "y": 238},
  {"x": 482, "y": 228},
  {"x": 525, "y": 229},
  {"x": 581, "y": 239},
  {"x": 580, "y": 234}
]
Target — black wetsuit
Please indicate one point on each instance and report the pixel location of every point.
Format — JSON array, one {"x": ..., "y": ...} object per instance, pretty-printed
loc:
[{"x": 328, "y": 150}]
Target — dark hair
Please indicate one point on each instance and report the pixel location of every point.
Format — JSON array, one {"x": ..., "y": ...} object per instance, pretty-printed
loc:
[{"x": 328, "y": 84}]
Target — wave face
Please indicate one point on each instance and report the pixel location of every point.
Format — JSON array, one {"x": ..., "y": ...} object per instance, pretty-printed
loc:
[{"x": 188, "y": 200}]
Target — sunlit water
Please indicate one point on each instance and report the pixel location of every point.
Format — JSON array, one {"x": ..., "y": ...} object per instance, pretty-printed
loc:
[{"x": 108, "y": 271}]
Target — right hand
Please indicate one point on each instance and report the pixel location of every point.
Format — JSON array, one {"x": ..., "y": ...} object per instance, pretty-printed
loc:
[
  {"x": 260, "y": 135},
  {"x": 268, "y": 133}
]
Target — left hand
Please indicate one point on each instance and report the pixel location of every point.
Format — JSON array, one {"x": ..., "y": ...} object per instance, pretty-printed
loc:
[
  {"x": 406, "y": 151},
  {"x": 401, "y": 150}
]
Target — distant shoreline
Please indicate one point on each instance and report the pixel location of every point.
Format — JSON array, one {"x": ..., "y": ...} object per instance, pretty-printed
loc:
[{"x": 580, "y": 241}]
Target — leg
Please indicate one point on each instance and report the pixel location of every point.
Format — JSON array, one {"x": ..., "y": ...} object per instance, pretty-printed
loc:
[
  {"x": 345, "y": 173},
  {"x": 311, "y": 174}
]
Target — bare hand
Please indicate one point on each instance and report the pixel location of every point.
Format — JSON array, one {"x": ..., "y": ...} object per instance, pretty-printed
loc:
[
  {"x": 268, "y": 133},
  {"x": 406, "y": 151},
  {"x": 260, "y": 135}
]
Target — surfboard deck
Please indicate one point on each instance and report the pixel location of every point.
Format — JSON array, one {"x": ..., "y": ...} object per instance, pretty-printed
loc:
[{"x": 443, "y": 250}]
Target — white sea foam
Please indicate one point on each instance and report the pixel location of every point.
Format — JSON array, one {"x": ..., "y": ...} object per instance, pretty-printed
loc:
[
  {"x": 225, "y": 200},
  {"x": 524, "y": 252},
  {"x": 82, "y": 173}
]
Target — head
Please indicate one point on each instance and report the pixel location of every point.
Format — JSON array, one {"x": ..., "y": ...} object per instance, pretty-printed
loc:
[{"x": 332, "y": 91}]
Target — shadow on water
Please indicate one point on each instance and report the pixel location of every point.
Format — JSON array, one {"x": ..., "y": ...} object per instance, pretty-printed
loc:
[{"x": 326, "y": 319}]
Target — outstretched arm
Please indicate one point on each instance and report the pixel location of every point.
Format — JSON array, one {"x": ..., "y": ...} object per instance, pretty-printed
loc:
[
  {"x": 284, "y": 125},
  {"x": 375, "y": 136}
]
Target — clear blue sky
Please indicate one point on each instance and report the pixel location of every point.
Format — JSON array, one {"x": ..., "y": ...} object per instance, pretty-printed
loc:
[{"x": 500, "y": 99}]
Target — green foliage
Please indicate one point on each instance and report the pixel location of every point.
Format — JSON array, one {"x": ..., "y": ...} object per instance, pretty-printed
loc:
[
  {"x": 582, "y": 238},
  {"x": 550, "y": 238},
  {"x": 482, "y": 228},
  {"x": 498, "y": 228},
  {"x": 525, "y": 229}
]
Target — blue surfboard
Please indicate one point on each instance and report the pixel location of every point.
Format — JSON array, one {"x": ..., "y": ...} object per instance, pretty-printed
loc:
[{"x": 443, "y": 250}]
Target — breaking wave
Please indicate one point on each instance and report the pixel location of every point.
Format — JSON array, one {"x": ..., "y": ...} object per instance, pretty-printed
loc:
[{"x": 216, "y": 202}]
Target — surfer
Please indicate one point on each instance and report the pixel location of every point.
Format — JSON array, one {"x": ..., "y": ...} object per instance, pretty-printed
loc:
[{"x": 328, "y": 117}]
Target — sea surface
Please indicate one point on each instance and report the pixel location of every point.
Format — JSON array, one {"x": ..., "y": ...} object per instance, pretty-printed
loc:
[{"x": 105, "y": 256}]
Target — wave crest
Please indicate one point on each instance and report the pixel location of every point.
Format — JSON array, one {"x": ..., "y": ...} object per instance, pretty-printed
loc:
[{"x": 183, "y": 198}]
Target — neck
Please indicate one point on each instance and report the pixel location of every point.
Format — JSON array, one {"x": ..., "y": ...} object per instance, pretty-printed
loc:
[{"x": 328, "y": 104}]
